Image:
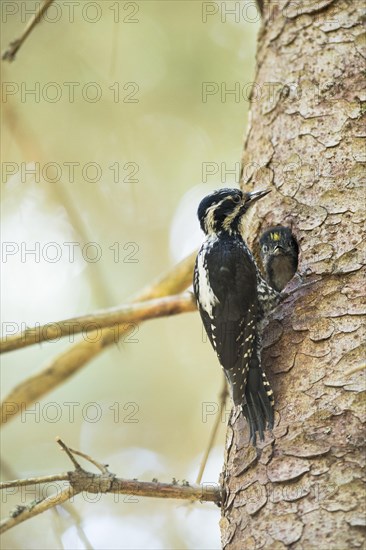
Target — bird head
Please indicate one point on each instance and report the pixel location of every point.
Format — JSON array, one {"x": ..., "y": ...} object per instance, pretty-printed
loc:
[
  {"x": 222, "y": 210},
  {"x": 278, "y": 241}
]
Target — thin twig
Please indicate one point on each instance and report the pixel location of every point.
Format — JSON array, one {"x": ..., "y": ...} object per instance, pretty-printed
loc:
[
  {"x": 111, "y": 317},
  {"x": 75, "y": 516},
  {"x": 222, "y": 402},
  {"x": 11, "y": 51},
  {"x": 102, "y": 467},
  {"x": 69, "y": 453},
  {"x": 83, "y": 481},
  {"x": 22, "y": 513},
  {"x": 34, "y": 480}
]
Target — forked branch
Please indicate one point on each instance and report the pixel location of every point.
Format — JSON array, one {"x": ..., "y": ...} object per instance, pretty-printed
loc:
[{"x": 80, "y": 480}]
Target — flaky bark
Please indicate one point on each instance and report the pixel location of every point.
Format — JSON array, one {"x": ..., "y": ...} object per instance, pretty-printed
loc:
[{"x": 303, "y": 488}]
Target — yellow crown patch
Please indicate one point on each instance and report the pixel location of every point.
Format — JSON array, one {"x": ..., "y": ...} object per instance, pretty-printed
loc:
[{"x": 275, "y": 236}]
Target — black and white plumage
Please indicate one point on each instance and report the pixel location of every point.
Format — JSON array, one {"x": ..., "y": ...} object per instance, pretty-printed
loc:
[
  {"x": 279, "y": 254},
  {"x": 232, "y": 299}
]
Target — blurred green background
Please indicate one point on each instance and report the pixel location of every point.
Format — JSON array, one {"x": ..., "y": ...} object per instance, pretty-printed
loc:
[{"x": 117, "y": 98}]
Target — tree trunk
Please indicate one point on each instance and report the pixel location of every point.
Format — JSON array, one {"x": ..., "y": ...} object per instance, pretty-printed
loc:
[{"x": 303, "y": 487}]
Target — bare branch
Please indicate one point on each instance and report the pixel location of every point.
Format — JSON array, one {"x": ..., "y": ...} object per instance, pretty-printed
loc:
[
  {"x": 88, "y": 324},
  {"x": 34, "y": 480},
  {"x": 11, "y": 51},
  {"x": 210, "y": 492},
  {"x": 83, "y": 481}
]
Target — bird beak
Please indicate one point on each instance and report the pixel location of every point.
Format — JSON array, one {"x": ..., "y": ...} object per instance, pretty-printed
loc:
[
  {"x": 256, "y": 195},
  {"x": 278, "y": 250}
]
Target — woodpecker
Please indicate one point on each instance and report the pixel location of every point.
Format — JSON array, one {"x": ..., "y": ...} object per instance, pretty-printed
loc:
[
  {"x": 279, "y": 254},
  {"x": 233, "y": 298}
]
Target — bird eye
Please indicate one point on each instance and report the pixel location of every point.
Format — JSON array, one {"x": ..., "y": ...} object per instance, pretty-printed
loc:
[
  {"x": 265, "y": 248},
  {"x": 236, "y": 198}
]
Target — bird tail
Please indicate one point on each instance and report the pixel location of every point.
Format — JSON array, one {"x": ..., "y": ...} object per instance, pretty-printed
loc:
[{"x": 258, "y": 405}]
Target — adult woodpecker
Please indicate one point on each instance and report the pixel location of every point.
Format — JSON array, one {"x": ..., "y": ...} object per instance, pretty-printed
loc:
[{"x": 233, "y": 299}]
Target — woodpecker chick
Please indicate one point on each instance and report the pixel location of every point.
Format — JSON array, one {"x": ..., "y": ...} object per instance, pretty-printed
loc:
[
  {"x": 279, "y": 254},
  {"x": 232, "y": 298}
]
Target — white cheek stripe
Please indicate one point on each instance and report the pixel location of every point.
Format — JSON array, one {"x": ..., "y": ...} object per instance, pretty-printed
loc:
[{"x": 206, "y": 296}]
